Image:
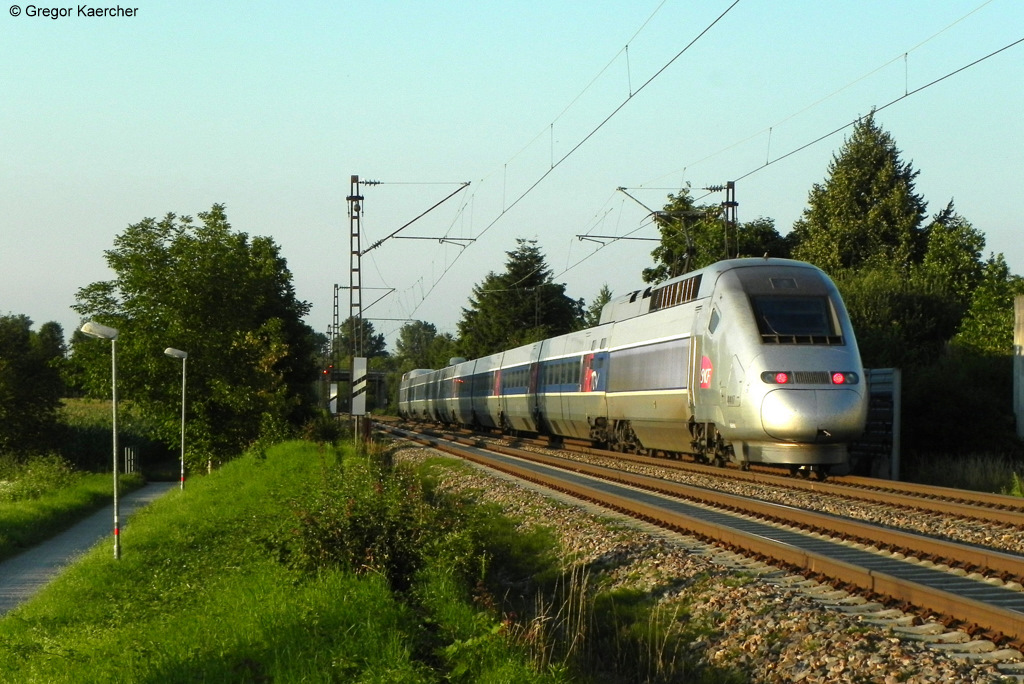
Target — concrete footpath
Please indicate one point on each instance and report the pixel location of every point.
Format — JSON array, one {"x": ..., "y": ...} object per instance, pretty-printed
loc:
[{"x": 28, "y": 572}]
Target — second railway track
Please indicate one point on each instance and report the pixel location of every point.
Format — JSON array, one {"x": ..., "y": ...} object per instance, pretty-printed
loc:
[{"x": 962, "y": 584}]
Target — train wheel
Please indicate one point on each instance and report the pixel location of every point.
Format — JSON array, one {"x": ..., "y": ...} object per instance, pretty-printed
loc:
[{"x": 821, "y": 473}]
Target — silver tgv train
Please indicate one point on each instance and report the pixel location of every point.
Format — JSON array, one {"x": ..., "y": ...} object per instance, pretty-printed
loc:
[{"x": 747, "y": 360}]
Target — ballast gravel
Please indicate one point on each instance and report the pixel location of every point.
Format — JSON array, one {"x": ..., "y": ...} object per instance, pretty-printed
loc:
[{"x": 766, "y": 627}]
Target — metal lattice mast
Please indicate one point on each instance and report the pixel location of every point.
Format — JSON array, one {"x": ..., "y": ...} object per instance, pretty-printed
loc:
[
  {"x": 355, "y": 293},
  {"x": 335, "y": 331},
  {"x": 355, "y": 308},
  {"x": 730, "y": 205}
]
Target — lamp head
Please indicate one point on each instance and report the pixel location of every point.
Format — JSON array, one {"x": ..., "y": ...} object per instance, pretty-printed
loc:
[
  {"x": 176, "y": 353},
  {"x": 103, "y": 332}
]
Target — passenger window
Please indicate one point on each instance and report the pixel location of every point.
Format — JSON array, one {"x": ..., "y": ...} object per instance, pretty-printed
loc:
[{"x": 713, "y": 322}]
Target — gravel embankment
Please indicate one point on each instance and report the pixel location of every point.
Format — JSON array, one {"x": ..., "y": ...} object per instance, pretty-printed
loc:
[{"x": 767, "y": 629}]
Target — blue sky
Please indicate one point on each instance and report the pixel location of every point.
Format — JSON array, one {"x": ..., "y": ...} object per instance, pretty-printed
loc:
[{"x": 269, "y": 108}]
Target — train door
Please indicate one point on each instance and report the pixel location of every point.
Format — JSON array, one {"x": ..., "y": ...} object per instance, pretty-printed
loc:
[
  {"x": 539, "y": 381},
  {"x": 534, "y": 390},
  {"x": 702, "y": 376}
]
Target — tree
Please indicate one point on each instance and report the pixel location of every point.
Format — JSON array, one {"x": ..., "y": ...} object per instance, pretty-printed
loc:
[
  {"x": 866, "y": 213},
  {"x": 988, "y": 326},
  {"x": 420, "y": 346},
  {"x": 694, "y": 236},
  {"x": 900, "y": 320},
  {"x": 442, "y": 349},
  {"x": 30, "y": 384},
  {"x": 519, "y": 306},
  {"x": 905, "y": 315},
  {"x": 229, "y": 302},
  {"x": 372, "y": 344},
  {"x": 414, "y": 342},
  {"x": 592, "y": 316},
  {"x": 953, "y": 255}
]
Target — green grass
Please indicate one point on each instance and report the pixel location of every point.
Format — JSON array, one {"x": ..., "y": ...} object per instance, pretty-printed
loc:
[
  {"x": 43, "y": 496},
  {"x": 303, "y": 563},
  {"x": 213, "y": 586}
]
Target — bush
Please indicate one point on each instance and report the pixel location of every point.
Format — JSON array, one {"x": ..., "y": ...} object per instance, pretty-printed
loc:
[
  {"x": 961, "y": 403},
  {"x": 367, "y": 518},
  {"x": 995, "y": 473},
  {"x": 34, "y": 477},
  {"x": 324, "y": 429}
]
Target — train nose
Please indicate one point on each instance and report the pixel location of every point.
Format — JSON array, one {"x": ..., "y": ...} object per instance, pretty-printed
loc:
[{"x": 813, "y": 415}]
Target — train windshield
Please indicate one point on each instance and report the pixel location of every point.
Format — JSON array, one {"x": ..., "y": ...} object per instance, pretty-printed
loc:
[{"x": 795, "y": 319}]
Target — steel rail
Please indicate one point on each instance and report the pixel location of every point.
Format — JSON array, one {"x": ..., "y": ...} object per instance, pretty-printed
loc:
[{"x": 998, "y": 501}]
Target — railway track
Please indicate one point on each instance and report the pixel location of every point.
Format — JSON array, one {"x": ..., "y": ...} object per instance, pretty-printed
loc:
[
  {"x": 981, "y": 506},
  {"x": 978, "y": 506},
  {"x": 944, "y": 583}
]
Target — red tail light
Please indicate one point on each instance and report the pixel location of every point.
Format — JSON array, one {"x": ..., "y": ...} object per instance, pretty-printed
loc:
[{"x": 776, "y": 377}]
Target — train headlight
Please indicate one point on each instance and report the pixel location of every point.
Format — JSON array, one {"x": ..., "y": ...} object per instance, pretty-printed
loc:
[
  {"x": 843, "y": 378},
  {"x": 776, "y": 377}
]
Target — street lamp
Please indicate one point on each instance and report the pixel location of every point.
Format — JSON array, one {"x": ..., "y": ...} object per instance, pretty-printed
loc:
[
  {"x": 93, "y": 329},
  {"x": 178, "y": 354}
]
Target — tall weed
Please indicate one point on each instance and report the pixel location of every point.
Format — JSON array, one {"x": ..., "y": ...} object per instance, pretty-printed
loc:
[
  {"x": 994, "y": 473},
  {"x": 1016, "y": 486}
]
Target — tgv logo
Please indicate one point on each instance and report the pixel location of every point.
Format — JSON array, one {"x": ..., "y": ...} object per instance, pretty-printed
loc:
[{"x": 705, "y": 372}]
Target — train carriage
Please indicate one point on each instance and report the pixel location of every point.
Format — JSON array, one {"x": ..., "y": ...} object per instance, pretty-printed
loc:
[
  {"x": 486, "y": 385},
  {"x": 444, "y": 379},
  {"x": 412, "y": 393},
  {"x": 461, "y": 401},
  {"x": 518, "y": 410}
]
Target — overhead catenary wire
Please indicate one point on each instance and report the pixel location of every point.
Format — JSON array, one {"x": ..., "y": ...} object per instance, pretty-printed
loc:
[
  {"x": 506, "y": 207},
  {"x": 555, "y": 164},
  {"x": 830, "y": 133},
  {"x": 885, "y": 106},
  {"x": 608, "y": 118},
  {"x": 902, "y": 56}
]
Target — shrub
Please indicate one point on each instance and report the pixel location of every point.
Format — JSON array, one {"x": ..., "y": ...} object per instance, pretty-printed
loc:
[
  {"x": 365, "y": 517},
  {"x": 34, "y": 477},
  {"x": 324, "y": 429}
]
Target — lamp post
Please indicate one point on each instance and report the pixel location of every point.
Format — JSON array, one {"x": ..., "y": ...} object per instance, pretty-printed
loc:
[
  {"x": 93, "y": 329},
  {"x": 178, "y": 354}
]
